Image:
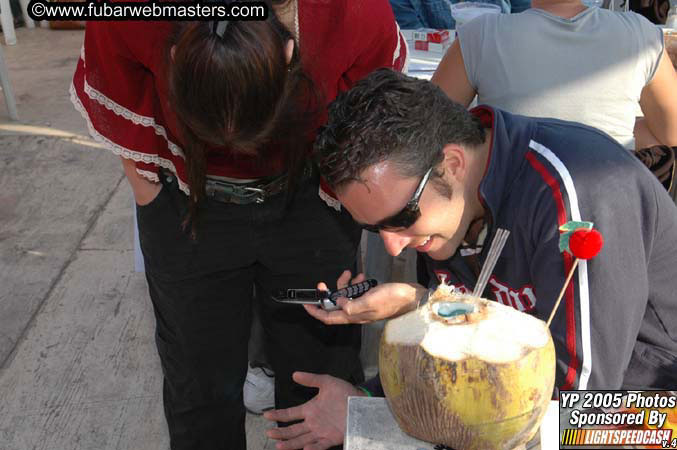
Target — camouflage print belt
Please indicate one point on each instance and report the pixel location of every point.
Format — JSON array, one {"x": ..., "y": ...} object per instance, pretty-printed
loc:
[{"x": 246, "y": 193}]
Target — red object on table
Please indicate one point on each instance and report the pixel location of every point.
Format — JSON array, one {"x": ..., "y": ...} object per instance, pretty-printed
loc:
[
  {"x": 436, "y": 36},
  {"x": 431, "y": 46},
  {"x": 421, "y": 45}
]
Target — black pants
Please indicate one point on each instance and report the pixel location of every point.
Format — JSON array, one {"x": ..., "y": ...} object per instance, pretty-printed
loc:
[{"x": 202, "y": 296}]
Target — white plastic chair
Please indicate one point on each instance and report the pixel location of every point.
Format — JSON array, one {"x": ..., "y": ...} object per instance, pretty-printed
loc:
[
  {"x": 7, "y": 20},
  {"x": 24, "y": 12},
  {"x": 7, "y": 87}
]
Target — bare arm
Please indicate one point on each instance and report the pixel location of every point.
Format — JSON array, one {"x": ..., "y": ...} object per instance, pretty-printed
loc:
[
  {"x": 643, "y": 136},
  {"x": 450, "y": 76},
  {"x": 659, "y": 103}
]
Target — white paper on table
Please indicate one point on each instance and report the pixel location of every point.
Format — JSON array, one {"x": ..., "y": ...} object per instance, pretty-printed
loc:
[{"x": 550, "y": 427}]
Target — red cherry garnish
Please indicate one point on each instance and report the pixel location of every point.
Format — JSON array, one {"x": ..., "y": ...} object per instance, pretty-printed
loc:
[{"x": 586, "y": 244}]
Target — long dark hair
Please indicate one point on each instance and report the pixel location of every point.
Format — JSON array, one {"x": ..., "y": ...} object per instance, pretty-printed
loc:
[{"x": 237, "y": 92}]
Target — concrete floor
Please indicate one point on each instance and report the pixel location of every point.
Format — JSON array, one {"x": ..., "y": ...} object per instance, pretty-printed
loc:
[{"x": 78, "y": 367}]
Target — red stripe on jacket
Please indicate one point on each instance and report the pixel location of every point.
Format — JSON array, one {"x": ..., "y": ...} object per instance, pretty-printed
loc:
[{"x": 568, "y": 262}]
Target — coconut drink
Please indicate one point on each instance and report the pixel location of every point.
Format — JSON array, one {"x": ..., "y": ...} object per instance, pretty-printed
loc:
[{"x": 467, "y": 372}]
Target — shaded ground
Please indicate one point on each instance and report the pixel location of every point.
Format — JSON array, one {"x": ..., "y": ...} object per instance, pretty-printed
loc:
[{"x": 78, "y": 367}]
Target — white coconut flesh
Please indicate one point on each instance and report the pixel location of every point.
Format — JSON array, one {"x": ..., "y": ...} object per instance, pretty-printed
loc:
[{"x": 476, "y": 328}]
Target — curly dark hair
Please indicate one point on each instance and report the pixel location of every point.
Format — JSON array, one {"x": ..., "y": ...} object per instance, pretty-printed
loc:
[{"x": 390, "y": 116}]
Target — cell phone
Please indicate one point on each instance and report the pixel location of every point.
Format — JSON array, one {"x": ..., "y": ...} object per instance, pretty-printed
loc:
[{"x": 324, "y": 299}]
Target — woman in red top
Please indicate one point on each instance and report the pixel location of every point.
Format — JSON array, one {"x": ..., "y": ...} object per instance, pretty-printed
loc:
[{"x": 214, "y": 123}]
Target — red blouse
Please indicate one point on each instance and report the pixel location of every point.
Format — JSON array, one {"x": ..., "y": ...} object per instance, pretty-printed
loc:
[{"x": 120, "y": 84}]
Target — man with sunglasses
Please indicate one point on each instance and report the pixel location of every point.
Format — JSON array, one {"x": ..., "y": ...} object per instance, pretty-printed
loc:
[{"x": 425, "y": 173}]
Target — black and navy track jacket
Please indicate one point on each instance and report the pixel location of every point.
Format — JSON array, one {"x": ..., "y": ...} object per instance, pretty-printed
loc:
[{"x": 617, "y": 324}]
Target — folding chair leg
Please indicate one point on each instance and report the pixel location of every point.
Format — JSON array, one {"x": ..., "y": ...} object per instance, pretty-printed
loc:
[
  {"x": 7, "y": 89},
  {"x": 24, "y": 11},
  {"x": 7, "y": 21}
]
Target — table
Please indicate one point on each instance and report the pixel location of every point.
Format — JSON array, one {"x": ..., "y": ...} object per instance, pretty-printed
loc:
[
  {"x": 422, "y": 64},
  {"x": 371, "y": 426}
]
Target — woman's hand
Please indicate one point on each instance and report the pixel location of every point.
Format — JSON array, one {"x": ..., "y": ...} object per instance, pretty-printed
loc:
[
  {"x": 144, "y": 190},
  {"x": 381, "y": 302}
]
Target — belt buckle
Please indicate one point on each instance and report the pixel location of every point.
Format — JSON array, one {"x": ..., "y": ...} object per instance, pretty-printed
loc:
[{"x": 259, "y": 193}]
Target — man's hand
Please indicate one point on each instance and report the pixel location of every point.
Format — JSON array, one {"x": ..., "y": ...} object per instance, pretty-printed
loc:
[
  {"x": 381, "y": 302},
  {"x": 323, "y": 417}
]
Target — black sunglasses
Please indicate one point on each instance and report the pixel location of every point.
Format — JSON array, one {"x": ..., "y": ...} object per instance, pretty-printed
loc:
[{"x": 407, "y": 216}]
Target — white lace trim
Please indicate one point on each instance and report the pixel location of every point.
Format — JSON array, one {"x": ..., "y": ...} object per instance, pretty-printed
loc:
[
  {"x": 155, "y": 159},
  {"x": 123, "y": 151},
  {"x": 296, "y": 24},
  {"x": 398, "y": 50},
  {"x": 133, "y": 117},
  {"x": 152, "y": 176},
  {"x": 399, "y": 40},
  {"x": 329, "y": 200}
]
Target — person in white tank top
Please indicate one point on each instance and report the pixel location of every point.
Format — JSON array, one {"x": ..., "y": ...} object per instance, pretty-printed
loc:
[{"x": 563, "y": 60}]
